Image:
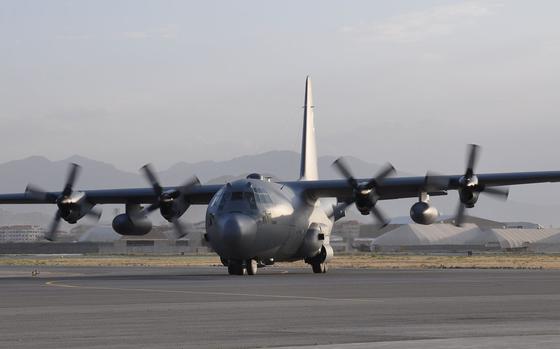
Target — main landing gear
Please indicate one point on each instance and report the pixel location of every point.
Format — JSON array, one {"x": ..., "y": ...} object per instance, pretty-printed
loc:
[
  {"x": 319, "y": 267},
  {"x": 319, "y": 262},
  {"x": 239, "y": 267}
]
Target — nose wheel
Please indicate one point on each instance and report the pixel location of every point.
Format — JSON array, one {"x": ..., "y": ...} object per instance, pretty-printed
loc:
[
  {"x": 235, "y": 268},
  {"x": 239, "y": 267},
  {"x": 251, "y": 266}
]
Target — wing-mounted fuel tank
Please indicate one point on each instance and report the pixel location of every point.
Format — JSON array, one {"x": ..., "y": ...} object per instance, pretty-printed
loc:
[
  {"x": 423, "y": 212},
  {"x": 133, "y": 222}
]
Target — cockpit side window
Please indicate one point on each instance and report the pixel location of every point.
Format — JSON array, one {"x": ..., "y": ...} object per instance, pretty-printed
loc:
[
  {"x": 250, "y": 197},
  {"x": 225, "y": 198},
  {"x": 262, "y": 196},
  {"x": 216, "y": 199}
]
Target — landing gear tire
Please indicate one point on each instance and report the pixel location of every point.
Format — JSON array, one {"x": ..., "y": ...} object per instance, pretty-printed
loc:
[
  {"x": 319, "y": 268},
  {"x": 251, "y": 266},
  {"x": 235, "y": 268}
]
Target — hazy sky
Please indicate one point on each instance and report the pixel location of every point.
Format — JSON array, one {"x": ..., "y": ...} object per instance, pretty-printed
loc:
[{"x": 411, "y": 82}]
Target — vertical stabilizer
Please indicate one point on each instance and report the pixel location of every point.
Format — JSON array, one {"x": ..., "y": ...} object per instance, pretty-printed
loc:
[{"x": 308, "y": 146}]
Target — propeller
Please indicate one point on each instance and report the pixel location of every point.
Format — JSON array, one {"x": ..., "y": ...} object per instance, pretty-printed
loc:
[
  {"x": 469, "y": 187},
  {"x": 338, "y": 211},
  {"x": 171, "y": 203},
  {"x": 365, "y": 194},
  {"x": 71, "y": 206},
  {"x": 180, "y": 229}
]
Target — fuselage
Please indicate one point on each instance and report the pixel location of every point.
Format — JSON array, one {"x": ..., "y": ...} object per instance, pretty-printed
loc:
[{"x": 256, "y": 218}]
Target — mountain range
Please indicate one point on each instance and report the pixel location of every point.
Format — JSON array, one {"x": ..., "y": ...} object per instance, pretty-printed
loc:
[{"x": 282, "y": 165}]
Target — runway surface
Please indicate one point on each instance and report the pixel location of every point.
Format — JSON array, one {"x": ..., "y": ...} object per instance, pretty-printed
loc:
[{"x": 204, "y": 308}]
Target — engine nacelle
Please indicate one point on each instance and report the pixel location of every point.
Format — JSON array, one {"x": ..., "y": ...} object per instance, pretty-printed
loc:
[
  {"x": 364, "y": 201},
  {"x": 123, "y": 224},
  {"x": 468, "y": 197},
  {"x": 73, "y": 207},
  {"x": 423, "y": 213},
  {"x": 467, "y": 190}
]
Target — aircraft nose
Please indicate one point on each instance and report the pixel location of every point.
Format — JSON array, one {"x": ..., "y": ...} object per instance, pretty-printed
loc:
[{"x": 237, "y": 229}]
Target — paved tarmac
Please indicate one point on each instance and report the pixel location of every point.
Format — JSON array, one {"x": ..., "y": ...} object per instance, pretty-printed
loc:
[{"x": 204, "y": 308}]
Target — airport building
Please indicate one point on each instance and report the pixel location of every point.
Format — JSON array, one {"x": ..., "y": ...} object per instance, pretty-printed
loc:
[
  {"x": 158, "y": 241},
  {"x": 348, "y": 236},
  {"x": 470, "y": 237},
  {"x": 21, "y": 233}
]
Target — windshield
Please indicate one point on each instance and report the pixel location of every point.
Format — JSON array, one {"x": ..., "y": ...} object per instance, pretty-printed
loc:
[{"x": 238, "y": 200}]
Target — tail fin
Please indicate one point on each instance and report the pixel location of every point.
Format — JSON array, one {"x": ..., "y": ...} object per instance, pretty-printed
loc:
[{"x": 308, "y": 169}]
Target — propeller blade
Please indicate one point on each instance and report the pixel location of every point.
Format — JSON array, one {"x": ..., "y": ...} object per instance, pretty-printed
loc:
[
  {"x": 149, "y": 173},
  {"x": 191, "y": 182},
  {"x": 386, "y": 171},
  {"x": 498, "y": 193},
  {"x": 73, "y": 172},
  {"x": 435, "y": 182},
  {"x": 472, "y": 158},
  {"x": 460, "y": 216},
  {"x": 51, "y": 233},
  {"x": 152, "y": 207},
  {"x": 339, "y": 209},
  {"x": 342, "y": 167},
  {"x": 381, "y": 218},
  {"x": 95, "y": 213},
  {"x": 178, "y": 229},
  {"x": 36, "y": 193}
]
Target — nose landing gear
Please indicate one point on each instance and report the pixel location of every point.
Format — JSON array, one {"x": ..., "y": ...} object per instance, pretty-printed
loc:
[
  {"x": 236, "y": 267},
  {"x": 251, "y": 266}
]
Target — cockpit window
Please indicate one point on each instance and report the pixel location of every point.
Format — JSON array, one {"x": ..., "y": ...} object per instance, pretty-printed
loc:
[
  {"x": 236, "y": 195},
  {"x": 250, "y": 197},
  {"x": 225, "y": 198},
  {"x": 217, "y": 197},
  {"x": 262, "y": 196}
]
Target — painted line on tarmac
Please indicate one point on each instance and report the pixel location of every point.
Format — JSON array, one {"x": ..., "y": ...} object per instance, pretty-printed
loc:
[{"x": 56, "y": 283}]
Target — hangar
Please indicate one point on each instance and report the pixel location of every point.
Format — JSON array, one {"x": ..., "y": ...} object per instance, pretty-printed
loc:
[{"x": 447, "y": 237}]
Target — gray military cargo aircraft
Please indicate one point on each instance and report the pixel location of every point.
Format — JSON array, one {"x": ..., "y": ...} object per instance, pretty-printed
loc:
[{"x": 254, "y": 222}]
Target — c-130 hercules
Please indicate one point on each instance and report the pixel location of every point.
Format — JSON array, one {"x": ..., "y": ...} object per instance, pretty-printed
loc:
[{"x": 254, "y": 222}]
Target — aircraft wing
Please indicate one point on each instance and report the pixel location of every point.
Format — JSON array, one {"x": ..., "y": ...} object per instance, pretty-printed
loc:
[
  {"x": 408, "y": 187},
  {"x": 391, "y": 188},
  {"x": 512, "y": 178},
  {"x": 200, "y": 194}
]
